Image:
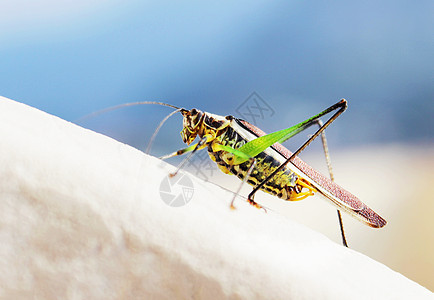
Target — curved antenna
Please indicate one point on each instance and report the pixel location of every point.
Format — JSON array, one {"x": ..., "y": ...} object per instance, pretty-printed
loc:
[
  {"x": 148, "y": 148},
  {"x": 96, "y": 113}
]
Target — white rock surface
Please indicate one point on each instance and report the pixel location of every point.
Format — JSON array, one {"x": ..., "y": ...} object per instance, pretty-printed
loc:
[{"x": 81, "y": 217}]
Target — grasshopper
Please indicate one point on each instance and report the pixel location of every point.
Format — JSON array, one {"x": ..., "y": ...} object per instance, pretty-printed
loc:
[{"x": 259, "y": 159}]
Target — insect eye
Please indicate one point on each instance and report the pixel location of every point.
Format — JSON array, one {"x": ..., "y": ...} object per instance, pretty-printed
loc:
[{"x": 194, "y": 111}]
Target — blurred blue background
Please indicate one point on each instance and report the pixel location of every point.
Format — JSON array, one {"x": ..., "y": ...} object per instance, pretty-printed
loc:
[
  {"x": 72, "y": 58},
  {"x": 294, "y": 58}
]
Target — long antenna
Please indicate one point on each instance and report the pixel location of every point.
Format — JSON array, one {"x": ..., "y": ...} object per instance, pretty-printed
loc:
[
  {"x": 148, "y": 148},
  {"x": 96, "y": 113}
]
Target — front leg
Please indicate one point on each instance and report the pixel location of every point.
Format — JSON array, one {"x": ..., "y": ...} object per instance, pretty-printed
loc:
[{"x": 203, "y": 143}]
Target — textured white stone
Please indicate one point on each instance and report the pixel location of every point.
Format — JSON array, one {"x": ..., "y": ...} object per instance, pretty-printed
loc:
[{"x": 81, "y": 218}]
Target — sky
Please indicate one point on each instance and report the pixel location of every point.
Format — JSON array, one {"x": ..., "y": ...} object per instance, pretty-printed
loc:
[{"x": 295, "y": 58}]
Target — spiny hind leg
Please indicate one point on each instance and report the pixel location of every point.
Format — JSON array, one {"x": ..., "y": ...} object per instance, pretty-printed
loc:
[
  {"x": 340, "y": 107},
  {"x": 329, "y": 166}
]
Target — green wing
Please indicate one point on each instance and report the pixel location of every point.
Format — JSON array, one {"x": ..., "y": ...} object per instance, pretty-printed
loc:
[{"x": 256, "y": 146}]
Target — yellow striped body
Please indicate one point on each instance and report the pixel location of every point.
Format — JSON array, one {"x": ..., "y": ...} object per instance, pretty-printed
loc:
[{"x": 285, "y": 185}]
